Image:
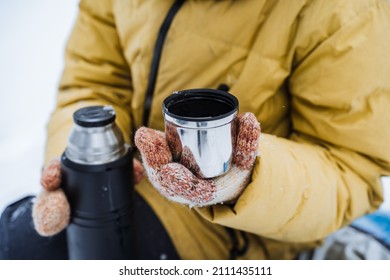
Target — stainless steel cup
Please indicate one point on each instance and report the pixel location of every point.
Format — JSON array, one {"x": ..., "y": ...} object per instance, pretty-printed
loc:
[{"x": 200, "y": 126}]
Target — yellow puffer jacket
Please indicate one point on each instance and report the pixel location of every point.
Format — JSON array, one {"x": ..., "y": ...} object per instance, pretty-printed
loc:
[{"x": 315, "y": 73}]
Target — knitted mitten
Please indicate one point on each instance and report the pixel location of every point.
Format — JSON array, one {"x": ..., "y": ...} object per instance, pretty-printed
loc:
[
  {"x": 177, "y": 183},
  {"x": 51, "y": 210}
]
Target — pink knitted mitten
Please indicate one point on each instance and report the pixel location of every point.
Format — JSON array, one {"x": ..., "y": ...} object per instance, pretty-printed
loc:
[{"x": 177, "y": 183}]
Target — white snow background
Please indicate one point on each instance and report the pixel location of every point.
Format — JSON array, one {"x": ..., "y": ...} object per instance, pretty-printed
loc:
[{"x": 32, "y": 41}]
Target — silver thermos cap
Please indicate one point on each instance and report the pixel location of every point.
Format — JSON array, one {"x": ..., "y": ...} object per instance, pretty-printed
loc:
[{"x": 95, "y": 138}]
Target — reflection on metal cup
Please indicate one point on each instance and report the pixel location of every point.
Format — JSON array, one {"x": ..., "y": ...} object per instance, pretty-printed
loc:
[{"x": 200, "y": 126}]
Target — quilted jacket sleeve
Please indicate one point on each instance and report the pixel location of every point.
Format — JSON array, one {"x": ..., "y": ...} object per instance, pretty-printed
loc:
[
  {"x": 95, "y": 74},
  {"x": 328, "y": 172}
]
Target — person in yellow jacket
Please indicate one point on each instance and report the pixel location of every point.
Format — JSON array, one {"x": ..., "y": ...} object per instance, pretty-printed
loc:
[{"x": 315, "y": 74}]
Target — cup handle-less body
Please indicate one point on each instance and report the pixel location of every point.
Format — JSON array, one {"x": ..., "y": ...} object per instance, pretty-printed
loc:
[{"x": 200, "y": 126}]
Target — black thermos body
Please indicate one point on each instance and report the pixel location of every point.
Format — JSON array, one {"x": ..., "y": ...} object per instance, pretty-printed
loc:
[{"x": 97, "y": 168}]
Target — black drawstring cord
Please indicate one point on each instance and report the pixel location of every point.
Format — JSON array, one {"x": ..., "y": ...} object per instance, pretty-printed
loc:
[
  {"x": 235, "y": 251},
  {"x": 152, "y": 83},
  {"x": 158, "y": 47},
  {"x": 223, "y": 87}
]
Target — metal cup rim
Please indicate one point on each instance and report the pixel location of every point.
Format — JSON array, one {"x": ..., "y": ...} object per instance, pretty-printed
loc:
[{"x": 199, "y": 93}]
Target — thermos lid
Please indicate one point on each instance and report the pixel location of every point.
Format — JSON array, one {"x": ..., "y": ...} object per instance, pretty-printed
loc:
[
  {"x": 95, "y": 138},
  {"x": 94, "y": 116}
]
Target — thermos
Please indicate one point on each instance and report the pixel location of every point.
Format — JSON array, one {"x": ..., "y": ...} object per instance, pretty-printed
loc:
[{"x": 97, "y": 169}]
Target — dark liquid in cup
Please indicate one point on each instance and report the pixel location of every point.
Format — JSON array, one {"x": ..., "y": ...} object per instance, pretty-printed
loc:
[
  {"x": 200, "y": 108},
  {"x": 200, "y": 104}
]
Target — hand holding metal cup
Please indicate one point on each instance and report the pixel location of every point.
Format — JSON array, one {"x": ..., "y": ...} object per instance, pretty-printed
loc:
[
  {"x": 207, "y": 153},
  {"x": 200, "y": 127}
]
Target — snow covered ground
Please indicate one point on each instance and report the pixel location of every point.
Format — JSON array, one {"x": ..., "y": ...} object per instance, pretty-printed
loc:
[{"x": 33, "y": 35}]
